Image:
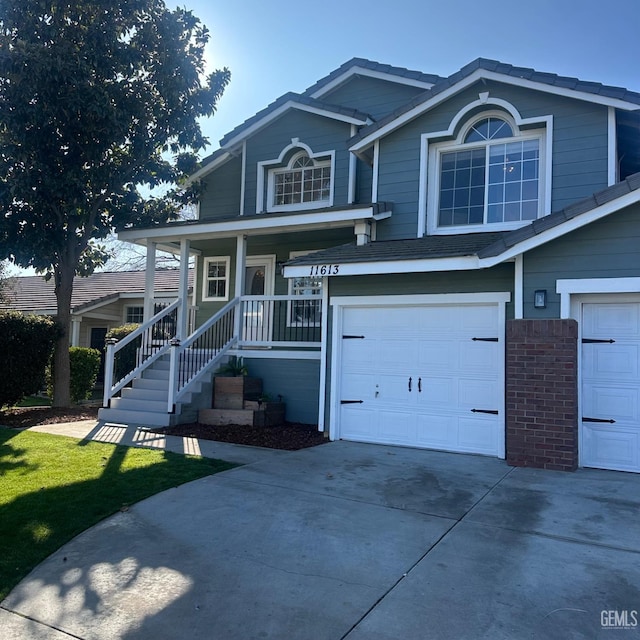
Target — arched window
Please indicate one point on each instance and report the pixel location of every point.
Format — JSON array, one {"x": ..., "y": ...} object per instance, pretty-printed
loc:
[
  {"x": 490, "y": 176},
  {"x": 304, "y": 180}
]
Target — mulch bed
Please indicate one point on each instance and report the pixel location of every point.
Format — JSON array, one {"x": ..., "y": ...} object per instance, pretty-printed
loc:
[
  {"x": 25, "y": 417},
  {"x": 290, "y": 436}
]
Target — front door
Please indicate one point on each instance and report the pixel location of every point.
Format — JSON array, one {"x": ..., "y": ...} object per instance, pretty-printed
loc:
[{"x": 258, "y": 313}]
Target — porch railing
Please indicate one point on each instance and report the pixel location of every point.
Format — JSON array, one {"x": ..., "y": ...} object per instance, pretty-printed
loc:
[
  {"x": 200, "y": 351},
  {"x": 281, "y": 321},
  {"x": 127, "y": 358}
]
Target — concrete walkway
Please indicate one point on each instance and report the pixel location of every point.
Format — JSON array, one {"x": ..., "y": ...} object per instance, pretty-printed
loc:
[{"x": 349, "y": 541}]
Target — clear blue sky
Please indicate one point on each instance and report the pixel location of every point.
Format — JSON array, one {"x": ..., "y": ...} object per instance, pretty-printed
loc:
[{"x": 286, "y": 45}]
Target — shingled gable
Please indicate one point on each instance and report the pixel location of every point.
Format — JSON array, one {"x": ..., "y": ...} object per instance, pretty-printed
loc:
[{"x": 493, "y": 69}]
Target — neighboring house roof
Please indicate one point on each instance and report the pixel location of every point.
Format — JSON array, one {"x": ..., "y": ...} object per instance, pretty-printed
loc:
[
  {"x": 489, "y": 248},
  {"x": 484, "y": 68},
  {"x": 34, "y": 294}
]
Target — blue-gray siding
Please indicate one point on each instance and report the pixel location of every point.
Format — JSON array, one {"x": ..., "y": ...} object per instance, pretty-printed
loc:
[
  {"x": 221, "y": 191},
  {"x": 609, "y": 248},
  {"x": 297, "y": 381}
]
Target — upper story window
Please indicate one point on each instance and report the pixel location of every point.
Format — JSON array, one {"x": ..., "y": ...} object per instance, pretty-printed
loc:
[
  {"x": 490, "y": 178},
  {"x": 305, "y": 182}
]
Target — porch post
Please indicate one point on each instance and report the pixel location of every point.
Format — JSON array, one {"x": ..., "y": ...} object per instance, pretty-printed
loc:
[
  {"x": 149, "y": 281},
  {"x": 183, "y": 290},
  {"x": 241, "y": 259},
  {"x": 75, "y": 332}
]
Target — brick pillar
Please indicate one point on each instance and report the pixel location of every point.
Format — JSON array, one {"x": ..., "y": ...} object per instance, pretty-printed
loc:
[{"x": 542, "y": 394}]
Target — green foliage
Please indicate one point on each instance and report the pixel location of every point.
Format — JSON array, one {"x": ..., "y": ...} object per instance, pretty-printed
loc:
[
  {"x": 85, "y": 364},
  {"x": 125, "y": 358},
  {"x": 234, "y": 367},
  {"x": 96, "y": 99},
  {"x": 26, "y": 344},
  {"x": 52, "y": 490}
]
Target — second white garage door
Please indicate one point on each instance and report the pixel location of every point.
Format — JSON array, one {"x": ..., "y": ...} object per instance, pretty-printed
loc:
[{"x": 428, "y": 376}]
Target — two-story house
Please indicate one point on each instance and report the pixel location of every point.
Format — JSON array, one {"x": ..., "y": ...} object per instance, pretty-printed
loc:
[{"x": 448, "y": 263}]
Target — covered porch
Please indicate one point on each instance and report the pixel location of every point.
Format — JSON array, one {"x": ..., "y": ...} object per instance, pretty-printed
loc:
[{"x": 250, "y": 319}]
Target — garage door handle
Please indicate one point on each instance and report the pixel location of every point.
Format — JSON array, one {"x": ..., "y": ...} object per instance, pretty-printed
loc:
[
  {"x": 419, "y": 385},
  {"x": 493, "y": 412},
  {"x": 409, "y": 383},
  {"x": 610, "y": 420}
]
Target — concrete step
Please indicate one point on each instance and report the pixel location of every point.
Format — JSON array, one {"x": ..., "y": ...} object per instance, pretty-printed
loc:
[
  {"x": 156, "y": 374},
  {"x": 128, "y": 404},
  {"x": 142, "y": 418},
  {"x": 137, "y": 393},
  {"x": 151, "y": 383}
]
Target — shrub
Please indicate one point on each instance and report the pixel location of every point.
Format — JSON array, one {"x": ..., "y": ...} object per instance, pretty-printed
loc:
[
  {"x": 26, "y": 345},
  {"x": 85, "y": 364},
  {"x": 126, "y": 357}
]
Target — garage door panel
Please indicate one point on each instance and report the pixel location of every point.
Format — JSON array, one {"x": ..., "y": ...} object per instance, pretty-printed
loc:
[
  {"x": 612, "y": 402},
  {"x": 610, "y": 386},
  {"x": 477, "y": 434},
  {"x": 612, "y": 448},
  {"x": 478, "y": 394},
  {"x": 478, "y": 355},
  {"x": 435, "y": 431},
  {"x": 450, "y": 375},
  {"x": 607, "y": 320},
  {"x": 611, "y": 360}
]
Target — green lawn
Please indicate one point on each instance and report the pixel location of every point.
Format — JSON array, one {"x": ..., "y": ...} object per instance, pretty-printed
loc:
[{"x": 52, "y": 488}]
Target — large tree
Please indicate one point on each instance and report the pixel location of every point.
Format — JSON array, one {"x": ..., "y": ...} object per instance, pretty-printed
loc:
[{"x": 96, "y": 98}]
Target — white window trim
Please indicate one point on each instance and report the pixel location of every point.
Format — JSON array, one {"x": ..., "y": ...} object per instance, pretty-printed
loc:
[
  {"x": 432, "y": 144},
  {"x": 297, "y": 254},
  {"x": 126, "y": 312},
  {"x": 268, "y": 168},
  {"x": 205, "y": 279}
]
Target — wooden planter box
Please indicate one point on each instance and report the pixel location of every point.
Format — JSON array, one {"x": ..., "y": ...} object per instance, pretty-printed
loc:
[
  {"x": 266, "y": 414},
  {"x": 230, "y": 392}
]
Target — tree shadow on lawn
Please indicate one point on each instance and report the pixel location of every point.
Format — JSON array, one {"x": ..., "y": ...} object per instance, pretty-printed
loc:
[{"x": 36, "y": 524}]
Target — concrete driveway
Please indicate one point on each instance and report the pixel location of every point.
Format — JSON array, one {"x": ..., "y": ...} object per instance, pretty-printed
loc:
[{"x": 356, "y": 542}]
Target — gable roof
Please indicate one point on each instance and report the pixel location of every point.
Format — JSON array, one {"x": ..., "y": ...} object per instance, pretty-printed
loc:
[
  {"x": 483, "y": 68},
  {"x": 268, "y": 114},
  {"x": 34, "y": 294},
  {"x": 362, "y": 66}
]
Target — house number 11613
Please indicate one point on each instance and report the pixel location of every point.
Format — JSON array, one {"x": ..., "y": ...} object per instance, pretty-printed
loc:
[{"x": 325, "y": 270}]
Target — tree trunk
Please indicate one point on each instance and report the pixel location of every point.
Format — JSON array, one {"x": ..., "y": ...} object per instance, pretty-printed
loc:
[{"x": 61, "y": 368}]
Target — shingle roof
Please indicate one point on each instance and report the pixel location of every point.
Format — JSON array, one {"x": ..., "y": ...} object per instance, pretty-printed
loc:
[
  {"x": 467, "y": 244},
  {"x": 298, "y": 99},
  {"x": 400, "y": 72},
  {"x": 512, "y": 238},
  {"x": 35, "y": 294},
  {"x": 495, "y": 66}
]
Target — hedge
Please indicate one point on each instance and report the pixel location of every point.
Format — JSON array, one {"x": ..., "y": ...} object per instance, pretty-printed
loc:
[
  {"x": 125, "y": 360},
  {"x": 26, "y": 346}
]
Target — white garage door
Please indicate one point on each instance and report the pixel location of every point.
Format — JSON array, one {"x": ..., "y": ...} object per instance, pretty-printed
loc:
[
  {"x": 423, "y": 376},
  {"x": 610, "y": 425}
]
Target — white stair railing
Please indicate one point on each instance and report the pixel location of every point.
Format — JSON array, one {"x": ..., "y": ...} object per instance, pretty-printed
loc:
[
  {"x": 195, "y": 356},
  {"x": 147, "y": 343}
]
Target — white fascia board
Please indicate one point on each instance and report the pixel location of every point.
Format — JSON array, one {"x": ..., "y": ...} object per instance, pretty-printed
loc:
[
  {"x": 463, "y": 263},
  {"x": 370, "y": 73},
  {"x": 291, "y": 104},
  {"x": 566, "y": 227},
  {"x": 264, "y": 224},
  {"x": 483, "y": 74}
]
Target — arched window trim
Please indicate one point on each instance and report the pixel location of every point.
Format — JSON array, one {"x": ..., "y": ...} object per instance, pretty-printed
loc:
[
  {"x": 435, "y": 143},
  {"x": 269, "y": 169}
]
